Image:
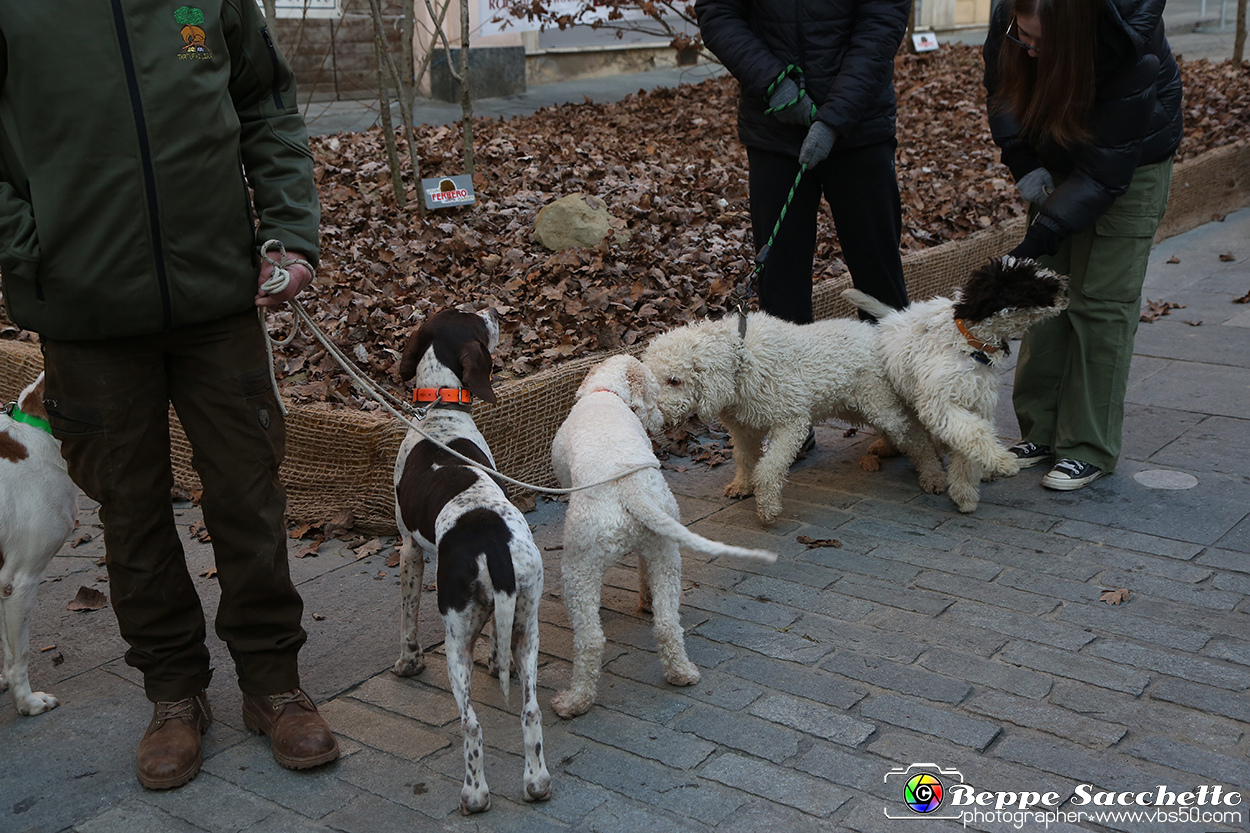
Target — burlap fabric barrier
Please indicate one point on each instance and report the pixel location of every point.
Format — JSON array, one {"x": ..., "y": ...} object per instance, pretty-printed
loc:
[{"x": 344, "y": 460}]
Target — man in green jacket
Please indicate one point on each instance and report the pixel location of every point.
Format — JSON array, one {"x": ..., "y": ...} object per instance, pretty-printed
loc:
[{"x": 146, "y": 150}]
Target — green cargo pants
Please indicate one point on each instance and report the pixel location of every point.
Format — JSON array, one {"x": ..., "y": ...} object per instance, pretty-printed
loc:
[
  {"x": 1073, "y": 370},
  {"x": 108, "y": 402}
]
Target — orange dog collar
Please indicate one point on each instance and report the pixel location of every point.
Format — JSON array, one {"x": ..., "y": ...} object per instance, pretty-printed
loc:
[{"x": 449, "y": 396}]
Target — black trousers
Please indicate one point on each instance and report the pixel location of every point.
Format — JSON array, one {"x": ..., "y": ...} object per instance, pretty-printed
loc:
[
  {"x": 108, "y": 402},
  {"x": 861, "y": 188}
]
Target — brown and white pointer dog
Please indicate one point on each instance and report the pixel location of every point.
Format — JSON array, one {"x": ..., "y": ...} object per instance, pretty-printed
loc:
[
  {"x": 487, "y": 559},
  {"x": 37, "y": 507}
]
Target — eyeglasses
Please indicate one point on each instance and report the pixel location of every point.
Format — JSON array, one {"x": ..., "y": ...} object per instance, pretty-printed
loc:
[{"x": 1017, "y": 41}]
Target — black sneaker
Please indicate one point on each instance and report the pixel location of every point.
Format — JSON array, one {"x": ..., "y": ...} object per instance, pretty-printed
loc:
[
  {"x": 1069, "y": 474},
  {"x": 1030, "y": 454}
]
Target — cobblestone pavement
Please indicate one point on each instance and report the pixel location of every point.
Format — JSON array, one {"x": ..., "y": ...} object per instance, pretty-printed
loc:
[
  {"x": 974, "y": 643},
  {"x": 971, "y": 642}
]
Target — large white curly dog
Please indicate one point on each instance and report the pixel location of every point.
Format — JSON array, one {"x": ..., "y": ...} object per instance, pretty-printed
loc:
[
  {"x": 776, "y": 381},
  {"x": 943, "y": 355},
  {"x": 604, "y": 435}
]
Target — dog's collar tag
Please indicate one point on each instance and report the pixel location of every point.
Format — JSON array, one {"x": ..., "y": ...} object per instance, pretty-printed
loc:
[
  {"x": 980, "y": 356},
  {"x": 21, "y": 416}
]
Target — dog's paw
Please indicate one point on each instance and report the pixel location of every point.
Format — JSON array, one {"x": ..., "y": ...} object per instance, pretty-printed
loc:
[
  {"x": 4, "y": 684},
  {"x": 870, "y": 462},
  {"x": 934, "y": 484},
  {"x": 1004, "y": 465},
  {"x": 37, "y": 703},
  {"x": 686, "y": 674},
  {"x": 408, "y": 666},
  {"x": 965, "y": 499},
  {"x": 568, "y": 704},
  {"x": 473, "y": 802},
  {"x": 736, "y": 489},
  {"x": 539, "y": 790}
]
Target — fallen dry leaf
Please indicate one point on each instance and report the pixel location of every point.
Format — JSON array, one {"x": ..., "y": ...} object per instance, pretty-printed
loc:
[
  {"x": 211, "y": 572},
  {"x": 1114, "y": 597},
  {"x": 1194, "y": 323},
  {"x": 309, "y": 549},
  {"x": 1227, "y": 257},
  {"x": 812, "y": 543},
  {"x": 392, "y": 560},
  {"x": 1173, "y": 259},
  {"x": 340, "y": 522},
  {"x": 317, "y": 617},
  {"x": 1156, "y": 309},
  {"x": 199, "y": 532},
  {"x": 81, "y": 539},
  {"x": 367, "y": 549},
  {"x": 88, "y": 598},
  {"x": 1244, "y": 299}
]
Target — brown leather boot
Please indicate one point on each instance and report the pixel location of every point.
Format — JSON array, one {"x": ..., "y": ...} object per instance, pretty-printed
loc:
[
  {"x": 169, "y": 754},
  {"x": 298, "y": 735}
]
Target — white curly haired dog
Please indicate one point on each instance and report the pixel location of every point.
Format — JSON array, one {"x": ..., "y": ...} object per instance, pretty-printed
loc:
[
  {"x": 605, "y": 435},
  {"x": 776, "y": 381},
  {"x": 943, "y": 355}
]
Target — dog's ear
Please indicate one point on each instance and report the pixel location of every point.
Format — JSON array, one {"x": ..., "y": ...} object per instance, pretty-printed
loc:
[
  {"x": 476, "y": 363},
  {"x": 410, "y": 357},
  {"x": 491, "y": 317}
]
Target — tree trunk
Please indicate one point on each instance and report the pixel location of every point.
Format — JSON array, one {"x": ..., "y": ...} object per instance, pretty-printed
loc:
[
  {"x": 1239, "y": 40},
  {"x": 466, "y": 100},
  {"x": 384, "y": 107}
]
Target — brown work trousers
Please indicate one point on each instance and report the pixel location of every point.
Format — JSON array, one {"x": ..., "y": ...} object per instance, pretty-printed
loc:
[{"x": 108, "y": 402}]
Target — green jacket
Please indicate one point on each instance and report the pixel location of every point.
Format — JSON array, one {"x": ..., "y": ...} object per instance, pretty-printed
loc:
[{"x": 130, "y": 132}]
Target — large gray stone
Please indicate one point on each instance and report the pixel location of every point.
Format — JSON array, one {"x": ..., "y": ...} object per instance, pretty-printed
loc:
[{"x": 573, "y": 221}]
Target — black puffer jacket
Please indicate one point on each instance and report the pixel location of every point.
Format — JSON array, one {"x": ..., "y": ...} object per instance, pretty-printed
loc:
[
  {"x": 845, "y": 49},
  {"x": 1135, "y": 120}
]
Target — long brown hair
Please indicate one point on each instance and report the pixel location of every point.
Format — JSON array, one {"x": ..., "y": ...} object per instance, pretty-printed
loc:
[{"x": 1051, "y": 95}]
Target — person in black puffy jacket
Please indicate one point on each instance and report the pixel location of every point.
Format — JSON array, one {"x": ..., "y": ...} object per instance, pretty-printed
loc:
[
  {"x": 1084, "y": 99},
  {"x": 817, "y": 89}
]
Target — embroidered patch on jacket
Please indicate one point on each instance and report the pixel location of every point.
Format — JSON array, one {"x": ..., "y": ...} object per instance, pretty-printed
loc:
[{"x": 191, "y": 20}]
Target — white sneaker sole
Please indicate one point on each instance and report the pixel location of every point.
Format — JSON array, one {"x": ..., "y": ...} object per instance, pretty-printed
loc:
[{"x": 1069, "y": 484}]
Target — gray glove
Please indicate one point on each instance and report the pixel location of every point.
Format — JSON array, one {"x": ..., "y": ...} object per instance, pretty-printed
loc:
[
  {"x": 790, "y": 104},
  {"x": 819, "y": 141},
  {"x": 1036, "y": 185}
]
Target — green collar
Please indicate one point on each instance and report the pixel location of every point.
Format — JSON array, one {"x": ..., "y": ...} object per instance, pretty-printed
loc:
[{"x": 38, "y": 422}]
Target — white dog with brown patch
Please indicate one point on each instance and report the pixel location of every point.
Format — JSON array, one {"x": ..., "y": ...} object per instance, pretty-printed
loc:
[
  {"x": 488, "y": 564},
  {"x": 38, "y": 503},
  {"x": 605, "y": 435}
]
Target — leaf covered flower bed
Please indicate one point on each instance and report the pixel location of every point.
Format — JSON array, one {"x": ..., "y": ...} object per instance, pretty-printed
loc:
[{"x": 672, "y": 172}]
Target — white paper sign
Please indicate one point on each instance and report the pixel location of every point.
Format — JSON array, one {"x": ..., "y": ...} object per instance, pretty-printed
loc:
[
  {"x": 448, "y": 191},
  {"x": 924, "y": 41}
]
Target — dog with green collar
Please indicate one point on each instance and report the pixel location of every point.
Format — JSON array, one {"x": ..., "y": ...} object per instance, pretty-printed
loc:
[{"x": 38, "y": 504}]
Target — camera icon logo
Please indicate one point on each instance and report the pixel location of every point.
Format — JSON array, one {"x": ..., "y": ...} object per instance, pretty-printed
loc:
[{"x": 922, "y": 787}]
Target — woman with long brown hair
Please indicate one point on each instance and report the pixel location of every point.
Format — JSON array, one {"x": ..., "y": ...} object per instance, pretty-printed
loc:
[{"x": 1084, "y": 99}]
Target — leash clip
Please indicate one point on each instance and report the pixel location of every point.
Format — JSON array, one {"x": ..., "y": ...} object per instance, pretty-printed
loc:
[{"x": 9, "y": 408}]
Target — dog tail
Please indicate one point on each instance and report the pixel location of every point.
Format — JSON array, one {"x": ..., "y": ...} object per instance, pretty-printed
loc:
[
  {"x": 660, "y": 522},
  {"x": 505, "y": 612},
  {"x": 867, "y": 303}
]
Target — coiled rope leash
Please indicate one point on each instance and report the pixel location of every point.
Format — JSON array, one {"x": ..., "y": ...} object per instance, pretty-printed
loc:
[{"x": 279, "y": 281}]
